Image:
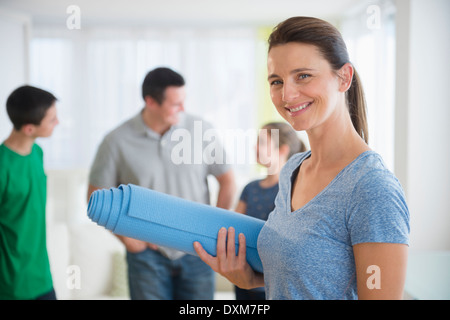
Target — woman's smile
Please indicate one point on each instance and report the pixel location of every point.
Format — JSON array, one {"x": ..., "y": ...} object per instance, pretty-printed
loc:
[{"x": 299, "y": 108}]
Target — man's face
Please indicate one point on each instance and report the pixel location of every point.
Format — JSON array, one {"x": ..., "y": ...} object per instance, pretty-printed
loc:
[{"x": 172, "y": 105}]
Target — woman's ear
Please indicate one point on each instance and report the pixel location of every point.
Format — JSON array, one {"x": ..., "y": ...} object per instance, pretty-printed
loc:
[{"x": 345, "y": 76}]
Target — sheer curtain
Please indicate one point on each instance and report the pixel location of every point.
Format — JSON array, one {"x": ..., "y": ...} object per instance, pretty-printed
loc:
[
  {"x": 96, "y": 74},
  {"x": 369, "y": 32}
]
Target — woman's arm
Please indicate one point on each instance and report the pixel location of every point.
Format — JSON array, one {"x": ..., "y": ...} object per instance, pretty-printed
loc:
[
  {"x": 235, "y": 268},
  {"x": 380, "y": 270}
]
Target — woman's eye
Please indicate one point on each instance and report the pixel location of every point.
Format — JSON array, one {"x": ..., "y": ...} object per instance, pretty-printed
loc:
[
  {"x": 304, "y": 76},
  {"x": 276, "y": 82}
]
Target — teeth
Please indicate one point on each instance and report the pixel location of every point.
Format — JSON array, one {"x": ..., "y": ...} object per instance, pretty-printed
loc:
[{"x": 299, "y": 108}]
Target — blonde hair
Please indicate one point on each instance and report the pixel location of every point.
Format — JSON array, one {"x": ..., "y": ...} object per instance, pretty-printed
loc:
[{"x": 286, "y": 136}]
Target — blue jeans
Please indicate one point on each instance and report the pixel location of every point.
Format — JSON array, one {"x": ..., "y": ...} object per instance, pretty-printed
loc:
[
  {"x": 254, "y": 294},
  {"x": 51, "y": 295},
  {"x": 152, "y": 276}
]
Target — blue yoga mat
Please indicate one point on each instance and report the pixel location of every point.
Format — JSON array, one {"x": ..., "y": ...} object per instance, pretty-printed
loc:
[{"x": 169, "y": 221}]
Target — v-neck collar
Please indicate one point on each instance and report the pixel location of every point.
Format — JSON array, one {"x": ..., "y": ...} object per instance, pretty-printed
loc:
[{"x": 324, "y": 190}]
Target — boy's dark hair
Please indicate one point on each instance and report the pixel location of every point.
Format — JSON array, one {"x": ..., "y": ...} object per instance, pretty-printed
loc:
[
  {"x": 157, "y": 80},
  {"x": 28, "y": 105}
]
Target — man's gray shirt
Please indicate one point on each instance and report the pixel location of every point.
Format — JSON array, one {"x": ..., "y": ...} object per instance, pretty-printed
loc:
[{"x": 169, "y": 163}]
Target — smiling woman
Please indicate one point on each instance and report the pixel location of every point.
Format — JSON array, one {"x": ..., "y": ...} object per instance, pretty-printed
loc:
[
  {"x": 328, "y": 43},
  {"x": 340, "y": 213}
]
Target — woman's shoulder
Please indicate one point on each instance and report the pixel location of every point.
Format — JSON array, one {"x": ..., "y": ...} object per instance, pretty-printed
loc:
[
  {"x": 369, "y": 167},
  {"x": 377, "y": 210},
  {"x": 373, "y": 180}
]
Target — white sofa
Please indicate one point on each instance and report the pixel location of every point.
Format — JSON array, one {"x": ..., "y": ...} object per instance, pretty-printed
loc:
[{"x": 87, "y": 261}]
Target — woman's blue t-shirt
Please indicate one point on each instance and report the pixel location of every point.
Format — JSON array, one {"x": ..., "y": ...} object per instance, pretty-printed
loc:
[{"x": 308, "y": 253}]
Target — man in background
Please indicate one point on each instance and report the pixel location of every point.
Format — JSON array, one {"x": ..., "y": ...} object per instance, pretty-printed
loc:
[{"x": 139, "y": 152}]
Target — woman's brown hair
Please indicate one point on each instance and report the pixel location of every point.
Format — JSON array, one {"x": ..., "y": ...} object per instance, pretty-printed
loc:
[{"x": 329, "y": 41}]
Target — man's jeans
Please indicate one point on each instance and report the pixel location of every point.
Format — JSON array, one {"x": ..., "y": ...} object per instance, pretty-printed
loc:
[{"x": 152, "y": 276}]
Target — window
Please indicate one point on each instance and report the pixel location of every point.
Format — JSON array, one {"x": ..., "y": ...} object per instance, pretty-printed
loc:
[
  {"x": 370, "y": 37},
  {"x": 97, "y": 77}
]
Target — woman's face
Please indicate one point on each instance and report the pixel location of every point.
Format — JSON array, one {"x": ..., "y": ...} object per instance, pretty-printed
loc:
[{"x": 303, "y": 87}]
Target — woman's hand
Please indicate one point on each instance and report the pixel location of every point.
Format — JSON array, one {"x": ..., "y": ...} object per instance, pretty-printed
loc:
[{"x": 235, "y": 268}]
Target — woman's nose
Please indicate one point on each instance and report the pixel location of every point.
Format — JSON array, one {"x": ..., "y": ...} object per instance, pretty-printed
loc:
[{"x": 290, "y": 92}]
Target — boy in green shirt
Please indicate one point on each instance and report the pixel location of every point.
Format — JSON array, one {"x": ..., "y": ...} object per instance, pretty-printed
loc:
[{"x": 24, "y": 264}]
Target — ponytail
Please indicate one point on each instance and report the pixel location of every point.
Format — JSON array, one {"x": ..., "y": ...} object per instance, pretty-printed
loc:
[{"x": 357, "y": 107}]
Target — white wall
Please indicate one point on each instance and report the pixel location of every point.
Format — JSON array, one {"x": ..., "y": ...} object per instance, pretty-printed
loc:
[
  {"x": 423, "y": 118},
  {"x": 14, "y": 38}
]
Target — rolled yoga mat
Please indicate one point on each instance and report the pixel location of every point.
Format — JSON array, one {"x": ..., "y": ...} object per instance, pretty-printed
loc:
[{"x": 169, "y": 221}]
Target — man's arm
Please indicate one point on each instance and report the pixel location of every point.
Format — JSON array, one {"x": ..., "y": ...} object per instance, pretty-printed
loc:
[
  {"x": 91, "y": 189},
  {"x": 227, "y": 188}
]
